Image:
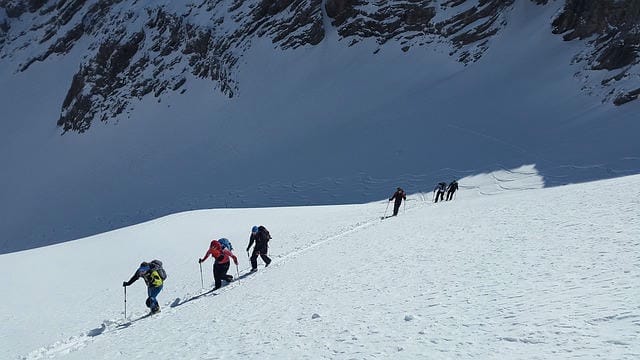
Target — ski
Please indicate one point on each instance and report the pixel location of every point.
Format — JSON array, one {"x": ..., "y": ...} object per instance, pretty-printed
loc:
[
  {"x": 130, "y": 322},
  {"x": 178, "y": 301}
]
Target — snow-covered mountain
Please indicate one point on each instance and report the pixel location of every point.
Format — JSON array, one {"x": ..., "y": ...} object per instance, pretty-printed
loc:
[
  {"x": 115, "y": 112},
  {"x": 137, "y": 48},
  {"x": 528, "y": 273}
]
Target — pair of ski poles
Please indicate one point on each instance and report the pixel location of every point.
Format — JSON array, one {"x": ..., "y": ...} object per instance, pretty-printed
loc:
[
  {"x": 404, "y": 208},
  {"x": 201, "y": 284}
]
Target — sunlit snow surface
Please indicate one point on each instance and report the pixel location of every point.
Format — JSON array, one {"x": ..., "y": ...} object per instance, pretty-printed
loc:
[{"x": 507, "y": 270}]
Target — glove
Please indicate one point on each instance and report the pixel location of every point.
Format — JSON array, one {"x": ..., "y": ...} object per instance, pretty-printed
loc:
[
  {"x": 199, "y": 261},
  {"x": 124, "y": 283}
]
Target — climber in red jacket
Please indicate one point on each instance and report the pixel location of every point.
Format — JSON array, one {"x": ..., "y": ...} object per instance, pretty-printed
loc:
[{"x": 221, "y": 265}]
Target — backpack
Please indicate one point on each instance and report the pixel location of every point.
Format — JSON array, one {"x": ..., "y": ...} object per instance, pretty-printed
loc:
[
  {"x": 265, "y": 231},
  {"x": 225, "y": 243},
  {"x": 157, "y": 266}
]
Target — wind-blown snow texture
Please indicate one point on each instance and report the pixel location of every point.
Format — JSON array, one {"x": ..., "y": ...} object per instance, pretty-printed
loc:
[
  {"x": 524, "y": 274},
  {"x": 324, "y": 124}
]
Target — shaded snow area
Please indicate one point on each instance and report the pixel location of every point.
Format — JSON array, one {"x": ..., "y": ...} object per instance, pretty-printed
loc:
[
  {"x": 546, "y": 273},
  {"x": 318, "y": 125}
]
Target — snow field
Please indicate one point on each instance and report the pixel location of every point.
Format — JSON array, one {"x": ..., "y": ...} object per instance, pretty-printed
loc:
[{"x": 536, "y": 274}]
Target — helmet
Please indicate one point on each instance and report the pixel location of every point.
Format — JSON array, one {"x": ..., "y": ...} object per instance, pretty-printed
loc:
[{"x": 254, "y": 229}]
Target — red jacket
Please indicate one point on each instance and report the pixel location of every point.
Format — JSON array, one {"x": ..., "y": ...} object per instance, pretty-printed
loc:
[{"x": 219, "y": 254}]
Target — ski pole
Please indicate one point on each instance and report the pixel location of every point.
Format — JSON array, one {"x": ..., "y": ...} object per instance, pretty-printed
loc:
[
  {"x": 237, "y": 272},
  {"x": 385, "y": 210},
  {"x": 125, "y": 302},
  {"x": 404, "y": 207},
  {"x": 201, "y": 278}
]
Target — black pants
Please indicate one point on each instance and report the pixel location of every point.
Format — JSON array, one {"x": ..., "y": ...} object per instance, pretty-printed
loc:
[
  {"x": 396, "y": 207},
  {"x": 263, "y": 255},
  {"x": 440, "y": 194},
  {"x": 450, "y": 194},
  {"x": 220, "y": 273}
]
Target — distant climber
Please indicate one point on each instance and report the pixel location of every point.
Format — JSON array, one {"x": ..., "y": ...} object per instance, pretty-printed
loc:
[
  {"x": 451, "y": 189},
  {"x": 221, "y": 255},
  {"x": 398, "y": 196},
  {"x": 439, "y": 190},
  {"x": 154, "y": 276},
  {"x": 260, "y": 235}
]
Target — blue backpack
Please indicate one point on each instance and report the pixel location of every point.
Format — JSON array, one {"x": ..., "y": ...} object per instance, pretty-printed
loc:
[{"x": 226, "y": 244}]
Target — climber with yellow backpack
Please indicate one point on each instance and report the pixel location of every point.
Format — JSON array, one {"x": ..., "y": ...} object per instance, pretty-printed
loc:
[{"x": 154, "y": 276}]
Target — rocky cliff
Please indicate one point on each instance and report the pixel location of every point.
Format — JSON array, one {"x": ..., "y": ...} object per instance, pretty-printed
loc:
[
  {"x": 612, "y": 29},
  {"x": 133, "y": 49}
]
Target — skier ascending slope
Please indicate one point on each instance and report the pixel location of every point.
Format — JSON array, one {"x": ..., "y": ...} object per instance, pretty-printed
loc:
[
  {"x": 154, "y": 276},
  {"x": 439, "y": 190},
  {"x": 399, "y": 195},
  {"x": 260, "y": 235},
  {"x": 451, "y": 189},
  {"x": 221, "y": 256}
]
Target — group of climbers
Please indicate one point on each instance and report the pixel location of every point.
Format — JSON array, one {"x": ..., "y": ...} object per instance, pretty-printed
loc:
[
  {"x": 220, "y": 250},
  {"x": 439, "y": 192},
  {"x": 442, "y": 187}
]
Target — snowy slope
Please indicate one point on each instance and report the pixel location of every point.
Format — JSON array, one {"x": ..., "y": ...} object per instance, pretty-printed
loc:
[{"x": 506, "y": 270}]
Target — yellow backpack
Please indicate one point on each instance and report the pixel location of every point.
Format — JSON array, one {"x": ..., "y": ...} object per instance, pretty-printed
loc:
[
  {"x": 156, "y": 274},
  {"x": 155, "y": 279}
]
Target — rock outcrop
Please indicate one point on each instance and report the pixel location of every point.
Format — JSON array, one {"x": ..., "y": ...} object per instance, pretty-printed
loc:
[
  {"x": 613, "y": 30},
  {"x": 143, "y": 48}
]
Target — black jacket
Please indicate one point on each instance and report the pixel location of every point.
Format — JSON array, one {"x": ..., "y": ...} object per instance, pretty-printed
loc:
[
  {"x": 453, "y": 186},
  {"x": 261, "y": 238},
  {"x": 399, "y": 195}
]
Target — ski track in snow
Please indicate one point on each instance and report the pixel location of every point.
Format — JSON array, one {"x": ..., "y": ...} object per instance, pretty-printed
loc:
[
  {"x": 471, "y": 279},
  {"x": 78, "y": 342}
]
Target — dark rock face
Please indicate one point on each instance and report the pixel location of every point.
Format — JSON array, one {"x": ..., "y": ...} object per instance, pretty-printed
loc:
[
  {"x": 151, "y": 51},
  {"x": 167, "y": 45},
  {"x": 489, "y": 19},
  {"x": 614, "y": 27},
  {"x": 4, "y": 29},
  {"x": 389, "y": 20},
  {"x": 404, "y": 21}
]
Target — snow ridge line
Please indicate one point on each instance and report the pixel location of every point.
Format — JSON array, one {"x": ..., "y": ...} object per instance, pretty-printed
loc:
[{"x": 78, "y": 342}]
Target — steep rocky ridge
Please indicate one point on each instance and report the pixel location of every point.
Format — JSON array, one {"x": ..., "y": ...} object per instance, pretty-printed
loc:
[
  {"x": 149, "y": 48},
  {"x": 613, "y": 32},
  {"x": 137, "y": 51}
]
